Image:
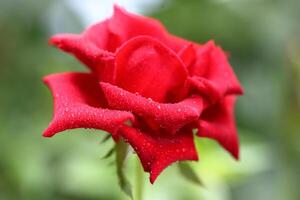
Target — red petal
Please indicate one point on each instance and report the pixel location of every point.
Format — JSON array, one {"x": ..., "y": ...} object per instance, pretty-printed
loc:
[
  {"x": 212, "y": 64},
  {"x": 145, "y": 65},
  {"x": 206, "y": 88},
  {"x": 188, "y": 55},
  {"x": 157, "y": 153},
  {"x": 167, "y": 116},
  {"x": 127, "y": 25},
  {"x": 94, "y": 46},
  {"x": 218, "y": 123},
  {"x": 96, "y": 36},
  {"x": 89, "y": 47},
  {"x": 77, "y": 102}
]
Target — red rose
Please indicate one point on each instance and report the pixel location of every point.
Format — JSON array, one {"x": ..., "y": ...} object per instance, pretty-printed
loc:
[{"x": 164, "y": 85}]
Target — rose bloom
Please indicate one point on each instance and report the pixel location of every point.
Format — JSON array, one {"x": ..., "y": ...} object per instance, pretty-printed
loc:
[{"x": 148, "y": 87}]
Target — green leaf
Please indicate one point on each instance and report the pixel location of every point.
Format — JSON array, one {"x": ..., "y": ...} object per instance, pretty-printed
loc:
[
  {"x": 105, "y": 138},
  {"x": 188, "y": 173},
  {"x": 121, "y": 154}
]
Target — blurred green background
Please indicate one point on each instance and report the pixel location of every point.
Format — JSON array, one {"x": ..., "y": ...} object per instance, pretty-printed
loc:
[{"x": 263, "y": 38}]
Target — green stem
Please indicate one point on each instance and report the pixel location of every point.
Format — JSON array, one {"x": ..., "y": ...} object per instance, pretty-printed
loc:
[{"x": 139, "y": 181}]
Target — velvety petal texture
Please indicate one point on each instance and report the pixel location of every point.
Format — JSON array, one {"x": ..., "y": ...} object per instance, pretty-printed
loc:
[
  {"x": 211, "y": 63},
  {"x": 167, "y": 116},
  {"x": 77, "y": 104},
  {"x": 147, "y": 87},
  {"x": 218, "y": 123},
  {"x": 88, "y": 50},
  {"x": 126, "y": 25},
  {"x": 146, "y": 66},
  {"x": 188, "y": 54},
  {"x": 156, "y": 153}
]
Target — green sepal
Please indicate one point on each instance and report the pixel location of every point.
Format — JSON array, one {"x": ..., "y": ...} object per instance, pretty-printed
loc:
[
  {"x": 188, "y": 173},
  {"x": 109, "y": 153},
  {"x": 122, "y": 150},
  {"x": 105, "y": 138}
]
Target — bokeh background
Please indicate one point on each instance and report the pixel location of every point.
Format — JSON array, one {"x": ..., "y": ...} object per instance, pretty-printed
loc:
[{"x": 263, "y": 38}]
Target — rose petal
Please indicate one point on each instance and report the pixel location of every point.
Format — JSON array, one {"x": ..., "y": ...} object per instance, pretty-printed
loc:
[
  {"x": 95, "y": 45},
  {"x": 126, "y": 25},
  {"x": 166, "y": 116},
  {"x": 218, "y": 123},
  {"x": 77, "y": 104},
  {"x": 89, "y": 47},
  {"x": 206, "y": 88},
  {"x": 212, "y": 64},
  {"x": 157, "y": 153},
  {"x": 188, "y": 55},
  {"x": 145, "y": 65}
]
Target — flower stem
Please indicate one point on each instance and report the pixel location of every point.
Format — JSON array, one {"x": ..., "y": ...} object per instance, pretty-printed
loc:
[{"x": 139, "y": 181}]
